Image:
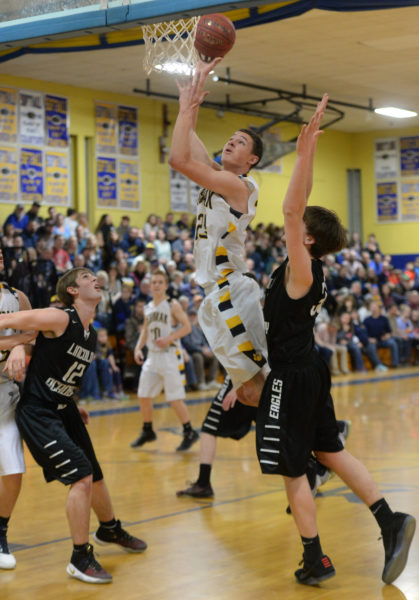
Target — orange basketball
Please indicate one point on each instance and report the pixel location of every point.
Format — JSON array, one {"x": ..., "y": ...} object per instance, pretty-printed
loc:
[{"x": 215, "y": 36}]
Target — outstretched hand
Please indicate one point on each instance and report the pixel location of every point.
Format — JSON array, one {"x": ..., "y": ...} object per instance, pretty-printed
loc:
[
  {"x": 191, "y": 91},
  {"x": 310, "y": 133}
]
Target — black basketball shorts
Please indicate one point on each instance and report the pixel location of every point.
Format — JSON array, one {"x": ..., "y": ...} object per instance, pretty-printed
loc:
[
  {"x": 295, "y": 417},
  {"x": 234, "y": 423},
  {"x": 58, "y": 440}
]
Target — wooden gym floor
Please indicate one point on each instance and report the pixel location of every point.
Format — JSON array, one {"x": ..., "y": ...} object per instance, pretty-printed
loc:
[{"x": 241, "y": 545}]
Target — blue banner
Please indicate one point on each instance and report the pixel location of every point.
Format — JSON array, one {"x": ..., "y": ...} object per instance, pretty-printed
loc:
[
  {"x": 56, "y": 116},
  {"x": 31, "y": 175}
]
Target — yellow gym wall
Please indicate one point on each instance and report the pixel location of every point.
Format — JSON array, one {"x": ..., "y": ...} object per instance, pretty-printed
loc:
[{"x": 337, "y": 152}]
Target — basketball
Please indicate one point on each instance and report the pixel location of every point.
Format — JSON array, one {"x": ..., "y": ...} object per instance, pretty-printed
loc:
[{"x": 215, "y": 36}]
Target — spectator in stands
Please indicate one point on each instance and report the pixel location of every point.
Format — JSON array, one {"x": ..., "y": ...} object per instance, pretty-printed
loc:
[
  {"x": 202, "y": 356},
  {"x": 124, "y": 226},
  {"x": 103, "y": 229},
  {"x": 145, "y": 290},
  {"x": 163, "y": 248},
  {"x": 60, "y": 228},
  {"x": 355, "y": 242},
  {"x": 406, "y": 333},
  {"x": 178, "y": 243},
  {"x": 18, "y": 219},
  {"x": 379, "y": 332},
  {"x": 325, "y": 338},
  {"x": 60, "y": 256},
  {"x": 33, "y": 214},
  {"x": 132, "y": 244},
  {"x": 71, "y": 221},
  {"x": 83, "y": 226},
  {"x": 30, "y": 235},
  {"x": 150, "y": 225},
  {"x": 183, "y": 223},
  {"x": 367, "y": 348},
  {"x": 104, "y": 310},
  {"x": 372, "y": 246},
  {"x": 133, "y": 327},
  {"x": 122, "y": 307},
  {"x": 115, "y": 284},
  {"x": 169, "y": 222}
]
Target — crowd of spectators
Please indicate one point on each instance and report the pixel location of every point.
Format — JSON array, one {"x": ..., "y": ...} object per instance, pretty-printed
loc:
[{"x": 370, "y": 304}]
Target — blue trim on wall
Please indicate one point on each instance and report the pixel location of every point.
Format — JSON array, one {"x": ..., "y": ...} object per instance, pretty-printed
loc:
[
  {"x": 399, "y": 260},
  {"x": 85, "y": 20}
]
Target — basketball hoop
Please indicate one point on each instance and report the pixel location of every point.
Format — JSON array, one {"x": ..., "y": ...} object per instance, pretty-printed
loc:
[{"x": 169, "y": 46}]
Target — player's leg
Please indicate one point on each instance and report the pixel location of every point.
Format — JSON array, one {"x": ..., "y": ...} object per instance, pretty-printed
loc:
[
  {"x": 174, "y": 388},
  {"x": 149, "y": 386},
  {"x": 9, "y": 491},
  {"x": 397, "y": 528}
]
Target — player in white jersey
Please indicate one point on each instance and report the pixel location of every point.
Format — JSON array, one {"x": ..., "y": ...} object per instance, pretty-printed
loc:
[
  {"x": 230, "y": 316},
  {"x": 12, "y": 464},
  {"x": 164, "y": 325}
]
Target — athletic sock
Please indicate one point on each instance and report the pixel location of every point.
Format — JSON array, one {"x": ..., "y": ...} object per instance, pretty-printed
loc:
[
  {"x": 204, "y": 475},
  {"x": 187, "y": 427},
  {"x": 148, "y": 426},
  {"x": 4, "y": 521},
  {"x": 382, "y": 513},
  {"x": 312, "y": 549},
  {"x": 82, "y": 548},
  {"x": 108, "y": 524}
]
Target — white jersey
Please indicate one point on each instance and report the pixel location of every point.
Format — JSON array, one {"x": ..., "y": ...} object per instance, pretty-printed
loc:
[
  {"x": 220, "y": 235},
  {"x": 159, "y": 323},
  {"x": 9, "y": 303},
  {"x": 11, "y": 451}
]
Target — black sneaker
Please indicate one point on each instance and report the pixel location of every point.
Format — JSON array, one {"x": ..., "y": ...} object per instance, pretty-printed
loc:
[
  {"x": 7, "y": 560},
  {"x": 85, "y": 567},
  {"x": 117, "y": 535},
  {"x": 197, "y": 491},
  {"x": 397, "y": 539},
  {"x": 146, "y": 436},
  {"x": 315, "y": 573},
  {"x": 189, "y": 438}
]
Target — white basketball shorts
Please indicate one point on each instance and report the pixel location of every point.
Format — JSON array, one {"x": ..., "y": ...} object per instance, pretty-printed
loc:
[
  {"x": 163, "y": 369},
  {"x": 11, "y": 450}
]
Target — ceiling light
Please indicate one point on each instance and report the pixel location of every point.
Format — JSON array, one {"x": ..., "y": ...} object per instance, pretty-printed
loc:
[
  {"x": 397, "y": 113},
  {"x": 175, "y": 68}
]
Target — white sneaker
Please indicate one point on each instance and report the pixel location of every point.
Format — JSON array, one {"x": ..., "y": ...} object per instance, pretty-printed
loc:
[
  {"x": 213, "y": 385},
  {"x": 7, "y": 560},
  {"x": 202, "y": 387},
  {"x": 381, "y": 368}
]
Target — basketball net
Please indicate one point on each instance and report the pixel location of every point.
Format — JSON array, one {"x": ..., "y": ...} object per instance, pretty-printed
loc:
[{"x": 169, "y": 46}]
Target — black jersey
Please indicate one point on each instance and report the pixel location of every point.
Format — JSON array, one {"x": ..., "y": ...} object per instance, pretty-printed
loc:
[
  {"x": 58, "y": 364},
  {"x": 289, "y": 323}
]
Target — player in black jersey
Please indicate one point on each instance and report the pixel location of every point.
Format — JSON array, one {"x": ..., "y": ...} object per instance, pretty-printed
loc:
[
  {"x": 296, "y": 414},
  {"x": 52, "y": 425}
]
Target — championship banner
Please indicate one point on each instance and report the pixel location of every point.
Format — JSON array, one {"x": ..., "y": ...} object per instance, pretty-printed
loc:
[
  {"x": 410, "y": 200},
  {"x": 31, "y": 175},
  {"x": 56, "y": 178},
  {"x": 387, "y": 206},
  {"x": 129, "y": 184},
  {"x": 31, "y": 118},
  {"x": 386, "y": 158},
  {"x": 128, "y": 130},
  {"x": 409, "y": 155},
  {"x": 178, "y": 191},
  {"x": 56, "y": 116},
  {"x": 8, "y": 175},
  {"x": 8, "y": 124},
  {"x": 106, "y": 182},
  {"x": 106, "y": 119}
]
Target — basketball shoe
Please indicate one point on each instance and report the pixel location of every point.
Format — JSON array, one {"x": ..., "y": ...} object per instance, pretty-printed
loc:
[
  {"x": 144, "y": 437},
  {"x": 84, "y": 566},
  {"x": 397, "y": 539},
  {"x": 189, "y": 438},
  {"x": 197, "y": 491},
  {"x": 116, "y": 535},
  {"x": 312, "y": 574},
  {"x": 7, "y": 560}
]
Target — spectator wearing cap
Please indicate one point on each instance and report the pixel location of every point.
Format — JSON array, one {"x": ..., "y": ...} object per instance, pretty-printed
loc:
[
  {"x": 150, "y": 253},
  {"x": 17, "y": 218}
]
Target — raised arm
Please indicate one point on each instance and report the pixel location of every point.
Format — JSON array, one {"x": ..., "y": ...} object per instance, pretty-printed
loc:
[
  {"x": 181, "y": 158},
  {"x": 300, "y": 276}
]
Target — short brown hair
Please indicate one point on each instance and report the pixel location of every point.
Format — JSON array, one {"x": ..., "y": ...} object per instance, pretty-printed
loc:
[
  {"x": 326, "y": 229},
  {"x": 69, "y": 280},
  {"x": 160, "y": 272}
]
